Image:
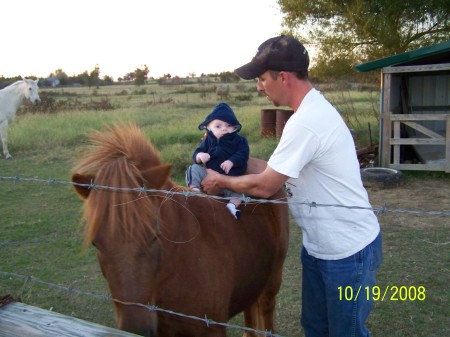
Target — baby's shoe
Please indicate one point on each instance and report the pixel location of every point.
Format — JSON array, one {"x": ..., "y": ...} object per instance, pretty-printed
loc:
[
  {"x": 235, "y": 212},
  {"x": 194, "y": 188}
]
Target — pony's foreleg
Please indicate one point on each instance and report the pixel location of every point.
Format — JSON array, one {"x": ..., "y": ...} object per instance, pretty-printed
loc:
[
  {"x": 260, "y": 315},
  {"x": 4, "y": 137}
]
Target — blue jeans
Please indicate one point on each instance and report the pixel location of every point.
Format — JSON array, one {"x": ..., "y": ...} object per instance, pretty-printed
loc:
[{"x": 329, "y": 307}]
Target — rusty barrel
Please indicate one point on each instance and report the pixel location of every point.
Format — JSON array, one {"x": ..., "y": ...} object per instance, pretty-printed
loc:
[
  {"x": 268, "y": 122},
  {"x": 282, "y": 117}
]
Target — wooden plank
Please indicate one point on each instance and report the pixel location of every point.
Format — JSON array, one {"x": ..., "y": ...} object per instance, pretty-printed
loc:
[
  {"x": 424, "y": 130},
  {"x": 416, "y": 69},
  {"x": 418, "y": 167},
  {"x": 419, "y": 117},
  {"x": 396, "y": 155},
  {"x": 385, "y": 148},
  {"x": 417, "y": 141},
  {"x": 447, "y": 145},
  {"x": 20, "y": 320}
]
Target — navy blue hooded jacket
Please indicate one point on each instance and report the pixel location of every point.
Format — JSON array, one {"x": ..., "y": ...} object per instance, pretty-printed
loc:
[{"x": 232, "y": 146}]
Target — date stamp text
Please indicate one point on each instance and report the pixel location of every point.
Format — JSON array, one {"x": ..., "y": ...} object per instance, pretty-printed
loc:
[{"x": 387, "y": 293}]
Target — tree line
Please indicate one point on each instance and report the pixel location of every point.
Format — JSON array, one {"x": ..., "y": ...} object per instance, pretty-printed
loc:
[
  {"x": 87, "y": 78},
  {"x": 137, "y": 77}
]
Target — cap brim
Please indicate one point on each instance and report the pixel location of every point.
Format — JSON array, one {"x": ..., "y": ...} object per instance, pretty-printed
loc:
[{"x": 250, "y": 71}]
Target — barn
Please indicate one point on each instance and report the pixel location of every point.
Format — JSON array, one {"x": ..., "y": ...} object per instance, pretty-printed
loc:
[{"x": 415, "y": 108}]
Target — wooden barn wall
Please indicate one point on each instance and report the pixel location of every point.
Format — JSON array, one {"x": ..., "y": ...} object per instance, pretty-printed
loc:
[
  {"x": 413, "y": 94},
  {"x": 429, "y": 94},
  {"x": 429, "y": 90}
]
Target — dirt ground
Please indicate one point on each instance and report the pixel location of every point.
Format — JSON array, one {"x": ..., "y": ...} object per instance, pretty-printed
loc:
[{"x": 414, "y": 194}]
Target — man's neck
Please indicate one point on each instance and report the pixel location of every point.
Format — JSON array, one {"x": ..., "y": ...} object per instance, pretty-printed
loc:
[{"x": 299, "y": 90}]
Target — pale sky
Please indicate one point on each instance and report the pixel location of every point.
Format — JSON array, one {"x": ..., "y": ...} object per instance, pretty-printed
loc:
[{"x": 169, "y": 36}]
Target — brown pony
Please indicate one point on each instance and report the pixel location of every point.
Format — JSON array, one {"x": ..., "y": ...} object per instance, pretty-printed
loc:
[{"x": 179, "y": 251}]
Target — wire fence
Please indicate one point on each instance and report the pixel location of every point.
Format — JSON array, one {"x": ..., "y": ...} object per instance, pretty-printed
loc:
[
  {"x": 245, "y": 199},
  {"x": 105, "y": 297},
  {"x": 143, "y": 190}
]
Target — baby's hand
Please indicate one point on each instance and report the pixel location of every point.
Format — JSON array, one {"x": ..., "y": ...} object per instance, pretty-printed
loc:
[
  {"x": 202, "y": 157},
  {"x": 226, "y": 166}
]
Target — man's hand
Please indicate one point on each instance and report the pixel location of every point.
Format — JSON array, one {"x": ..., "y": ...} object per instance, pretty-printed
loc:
[
  {"x": 226, "y": 166},
  {"x": 209, "y": 183}
]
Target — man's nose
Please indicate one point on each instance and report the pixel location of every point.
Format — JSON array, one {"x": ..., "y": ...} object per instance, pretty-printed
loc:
[{"x": 259, "y": 86}]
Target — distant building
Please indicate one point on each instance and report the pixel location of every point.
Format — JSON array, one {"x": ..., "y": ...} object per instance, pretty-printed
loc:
[{"x": 49, "y": 82}]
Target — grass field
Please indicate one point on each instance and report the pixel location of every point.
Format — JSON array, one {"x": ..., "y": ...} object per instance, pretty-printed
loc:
[{"x": 41, "y": 232}]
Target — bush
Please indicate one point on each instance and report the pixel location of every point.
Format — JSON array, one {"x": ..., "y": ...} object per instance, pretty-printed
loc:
[
  {"x": 50, "y": 105},
  {"x": 243, "y": 97}
]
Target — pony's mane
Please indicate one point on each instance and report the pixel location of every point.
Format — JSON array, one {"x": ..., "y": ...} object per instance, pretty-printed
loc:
[
  {"x": 26, "y": 80},
  {"x": 115, "y": 158},
  {"x": 119, "y": 141},
  {"x": 19, "y": 82}
]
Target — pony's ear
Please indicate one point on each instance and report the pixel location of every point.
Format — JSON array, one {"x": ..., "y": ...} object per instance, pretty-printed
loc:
[
  {"x": 36, "y": 81},
  {"x": 157, "y": 176},
  {"x": 83, "y": 191}
]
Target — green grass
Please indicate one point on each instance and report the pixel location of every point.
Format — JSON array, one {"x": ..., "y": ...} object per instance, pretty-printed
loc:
[{"x": 43, "y": 219}]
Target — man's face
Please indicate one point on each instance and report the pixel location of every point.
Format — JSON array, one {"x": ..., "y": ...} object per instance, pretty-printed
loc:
[{"x": 271, "y": 87}]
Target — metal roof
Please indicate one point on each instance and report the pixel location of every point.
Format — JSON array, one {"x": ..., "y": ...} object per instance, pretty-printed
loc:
[{"x": 436, "y": 53}]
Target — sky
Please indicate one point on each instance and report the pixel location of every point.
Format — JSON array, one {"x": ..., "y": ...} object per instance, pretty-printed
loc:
[{"x": 178, "y": 37}]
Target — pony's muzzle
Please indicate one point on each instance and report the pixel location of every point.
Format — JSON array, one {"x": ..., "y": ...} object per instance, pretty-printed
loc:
[{"x": 136, "y": 321}]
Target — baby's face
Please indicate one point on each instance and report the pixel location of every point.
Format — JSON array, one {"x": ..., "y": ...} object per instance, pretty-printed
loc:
[{"x": 220, "y": 128}]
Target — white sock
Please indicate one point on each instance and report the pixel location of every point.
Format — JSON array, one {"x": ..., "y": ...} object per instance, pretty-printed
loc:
[{"x": 232, "y": 208}]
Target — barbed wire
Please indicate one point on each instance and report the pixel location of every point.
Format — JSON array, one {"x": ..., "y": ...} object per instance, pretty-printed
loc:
[
  {"x": 142, "y": 190},
  {"x": 206, "y": 320},
  {"x": 245, "y": 199},
  {"x": 31, "y": 279},
  {"x": 107, "y": 298}
]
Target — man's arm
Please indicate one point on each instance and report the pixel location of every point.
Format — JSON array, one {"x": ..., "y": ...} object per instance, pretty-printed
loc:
[{"x": 264, "y": 184}]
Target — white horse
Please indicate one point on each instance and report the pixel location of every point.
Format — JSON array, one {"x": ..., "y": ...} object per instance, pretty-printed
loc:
[{"x": 11, "y": 98}]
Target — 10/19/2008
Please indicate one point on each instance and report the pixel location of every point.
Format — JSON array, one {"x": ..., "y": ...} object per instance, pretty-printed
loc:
[{"x": 388, "y": 293}]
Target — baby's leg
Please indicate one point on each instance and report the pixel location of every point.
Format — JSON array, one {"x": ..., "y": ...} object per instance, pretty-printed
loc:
[
  {"x": 194, "y": 176},
  {"x": 234, "y": 203}
]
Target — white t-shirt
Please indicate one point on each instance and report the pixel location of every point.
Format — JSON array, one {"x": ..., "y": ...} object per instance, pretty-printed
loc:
[{"x": 317, "y": 152}]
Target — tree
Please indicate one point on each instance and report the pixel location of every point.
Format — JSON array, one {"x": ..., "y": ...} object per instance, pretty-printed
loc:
[
  {"x": 347, "y": 32},
  {"x": 61, "y": 76},
  {"x": 108, "y": 80},
  {"x": 140, "y": 75},
  {"x": 91, "y": 79},
  {"x": 228, "y": 76}
]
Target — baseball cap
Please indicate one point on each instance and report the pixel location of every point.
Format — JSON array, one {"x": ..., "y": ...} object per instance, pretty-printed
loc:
[{"x": 281, "y": 53}]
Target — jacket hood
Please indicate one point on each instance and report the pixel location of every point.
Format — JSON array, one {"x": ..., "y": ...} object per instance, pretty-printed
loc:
[{"x": 222, "y": 112}]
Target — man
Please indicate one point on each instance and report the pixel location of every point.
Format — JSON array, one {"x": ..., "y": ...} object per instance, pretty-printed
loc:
[{"x": 317, "y": 161}]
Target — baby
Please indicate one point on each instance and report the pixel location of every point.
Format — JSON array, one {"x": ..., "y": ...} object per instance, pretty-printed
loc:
[{"x": 222, "y": 149}]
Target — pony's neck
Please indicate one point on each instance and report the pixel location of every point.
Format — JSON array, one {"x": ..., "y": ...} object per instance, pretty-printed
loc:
[{"x": 16, "y": 93}]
